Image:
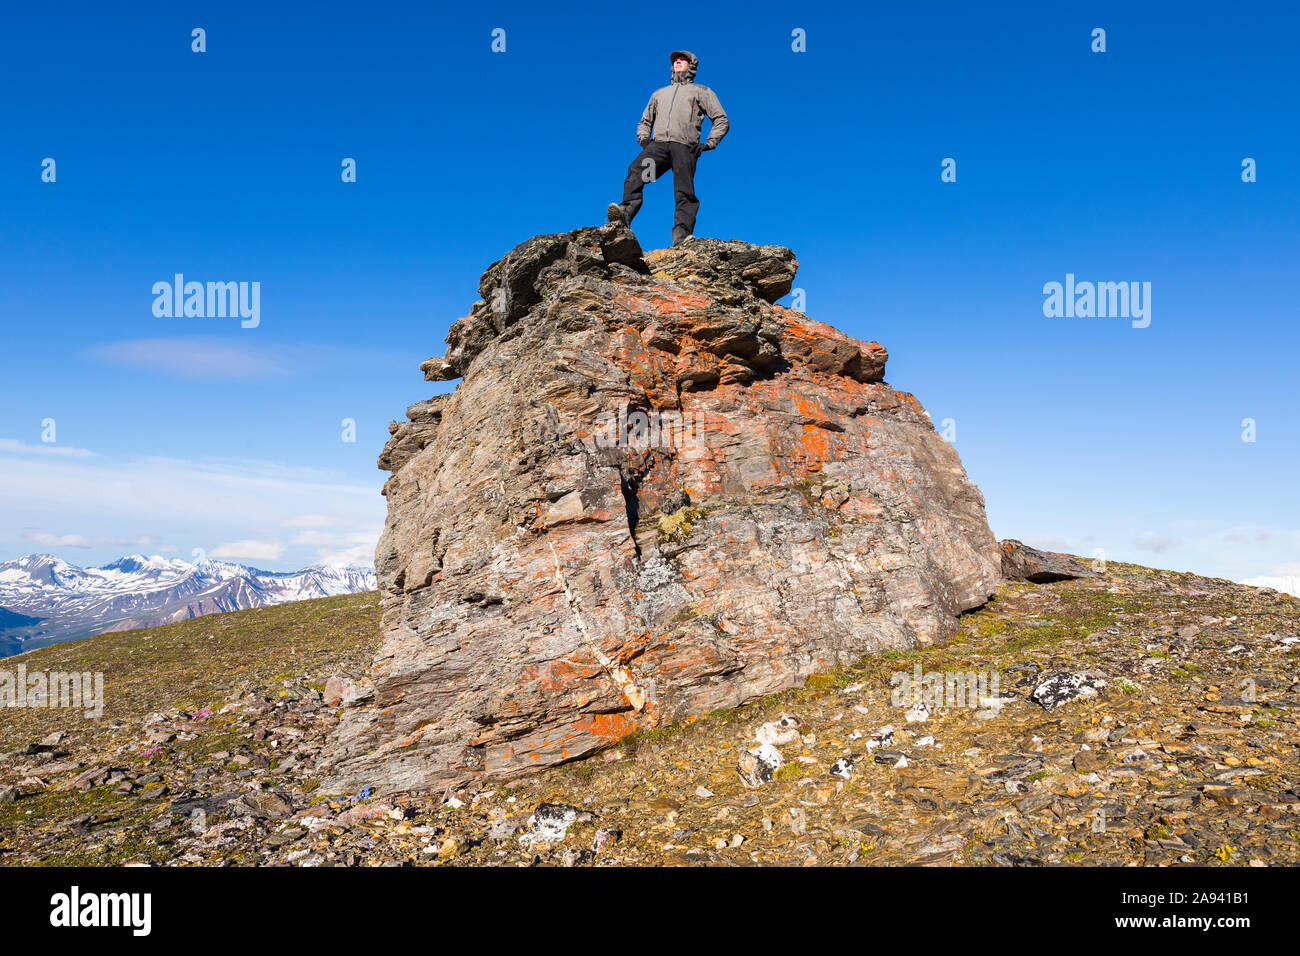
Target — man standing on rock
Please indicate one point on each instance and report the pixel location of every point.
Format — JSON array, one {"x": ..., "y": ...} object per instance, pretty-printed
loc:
[{"x": 669, "y": 134}]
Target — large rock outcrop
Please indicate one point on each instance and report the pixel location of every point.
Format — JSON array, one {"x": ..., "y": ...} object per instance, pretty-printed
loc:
[{"x": 653, "y": 493}]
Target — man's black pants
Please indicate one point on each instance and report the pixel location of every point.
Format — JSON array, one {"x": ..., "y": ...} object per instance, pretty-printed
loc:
[{"x": 647, "y": 167}]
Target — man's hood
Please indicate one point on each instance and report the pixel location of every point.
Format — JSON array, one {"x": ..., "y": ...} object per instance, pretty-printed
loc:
[{"x": 689, "y": 75}]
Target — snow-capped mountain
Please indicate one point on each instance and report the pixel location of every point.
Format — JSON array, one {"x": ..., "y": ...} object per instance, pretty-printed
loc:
[
  {"x": 1287, "y": 583},
  {"x": 44, "y": 600}
]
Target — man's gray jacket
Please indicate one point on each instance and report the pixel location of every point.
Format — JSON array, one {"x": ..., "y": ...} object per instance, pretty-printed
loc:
[{"x": 676, "y": 112}]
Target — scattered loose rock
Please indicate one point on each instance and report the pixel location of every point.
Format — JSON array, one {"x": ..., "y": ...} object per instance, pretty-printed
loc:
[
  {"x": 759, "y": 765},
  {"x": 844, "y": 766},
  {"x": 550, "y": 822},
  {"x": 783, "y": 730},
  {"x": 1063, "y": 687}
]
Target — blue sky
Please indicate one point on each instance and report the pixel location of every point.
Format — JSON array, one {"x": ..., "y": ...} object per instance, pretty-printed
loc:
[{"x": 1083, "y": 433}]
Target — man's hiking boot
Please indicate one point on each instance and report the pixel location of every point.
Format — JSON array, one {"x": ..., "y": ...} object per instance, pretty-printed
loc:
[
  {"x": 680, "y": 235},
  {"x": 616, "y": 213}
]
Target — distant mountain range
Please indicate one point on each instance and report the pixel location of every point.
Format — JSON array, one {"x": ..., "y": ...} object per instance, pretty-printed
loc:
[{"x": 44, "y": 600}]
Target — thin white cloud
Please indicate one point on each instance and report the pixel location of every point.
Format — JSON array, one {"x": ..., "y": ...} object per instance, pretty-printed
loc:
[
  {"x": 1251, "y": 534},
  {"x": 1154, "y": 542},
  {"x": 361, "y": 555},
  {"x": 107, "y": 500},
  {"x": 239, "y": 356},
  {"x": 250, "y": 550},
  {"x": 335, "y": 539},
  {"x": 205, "y": 357},
  {"x": 308, "y": 521},
  {"x": 21, "y": 448},
  {"x": 48, "y": 540},
  {"x": 341, "y": 547}
]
